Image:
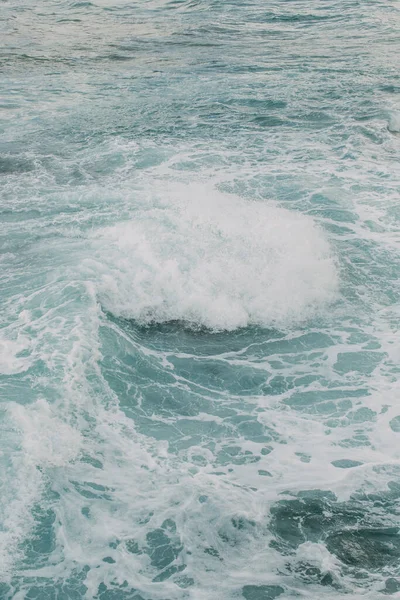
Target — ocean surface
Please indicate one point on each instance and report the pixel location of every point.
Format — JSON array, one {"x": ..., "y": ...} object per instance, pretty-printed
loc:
[{"x": 200, "y": 299}]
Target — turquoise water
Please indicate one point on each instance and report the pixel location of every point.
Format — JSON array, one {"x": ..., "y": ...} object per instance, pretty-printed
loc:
[{"x": 200, "y": 260}]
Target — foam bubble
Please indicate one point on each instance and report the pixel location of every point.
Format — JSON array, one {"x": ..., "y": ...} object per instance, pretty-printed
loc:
[{"x": 214, "y": 260}]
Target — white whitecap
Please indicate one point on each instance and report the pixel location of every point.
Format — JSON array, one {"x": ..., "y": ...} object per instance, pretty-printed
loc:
[{"x": 214, "y": 260}]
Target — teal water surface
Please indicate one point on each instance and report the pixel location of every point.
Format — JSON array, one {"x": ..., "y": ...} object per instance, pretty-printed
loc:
[{"x": 199, "y": 267}]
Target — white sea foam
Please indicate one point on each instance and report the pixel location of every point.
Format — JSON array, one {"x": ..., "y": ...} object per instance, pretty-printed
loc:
[
  {"x": 214, "y": 260},
  {"x": 45, "y": 441},
  {"x": 11, "y": 361}
]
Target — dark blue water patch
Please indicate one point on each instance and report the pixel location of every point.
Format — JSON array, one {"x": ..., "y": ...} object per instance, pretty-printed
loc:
[
  {"x": 70, "y": 588},
  {"x": 358, "y": 534},
  {"x": 307, "y": 19},
  {"x": 82, "y": 4},
  {"x": 392, "y": 586},
  {"x": 14, "y": 165},
  {"x": 338, "y": 215},
  {"x": 166, "y": 403},
  {"x": 93, "y": 491},
  {"x": 117, "y": 592},
  {"x": 202, "y": 376},
  {"x": 346, "y": 463},
  {"x": 313, "y": 119},
  {"x": 262, "y": 592},
  {"x": 114, "y": 56},
  {"x": 385, "y": 500},
  {"x": 43, "y": 589},
  {"x": 308, "y": 400},
  {"x": 164, "y": 548},
  {"x": 168, "y": 50},
  {"x": 364, "y": 362},
  {"x": 18, "y": 60},
  {"x": 390, "y": 88},
  {"x": 69, "y": 20},
  {"x": 310, "y": 574},
  {"x": 367, "y": 548},
  {"x": 41, "y": 541},
  {"x": 359, "y": 440},
  {"x": 16, "y": 216},
  {"x": 195, "y": 38},
  {"x": 219, "y": 362},
  {"x": 270, "y": 121},
  {"x": 220, "y": 375},
  {"x": 258, "y": 104},
  {"x": 183, "y": 338},
  {"x": 234, "y": 455},
  {"x": 395, "y": 424}
]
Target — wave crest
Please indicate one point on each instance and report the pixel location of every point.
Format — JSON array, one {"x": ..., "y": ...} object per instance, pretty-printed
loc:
[{"x": 214, "y": 260}]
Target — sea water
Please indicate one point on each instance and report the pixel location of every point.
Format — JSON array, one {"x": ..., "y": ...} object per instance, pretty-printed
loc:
[{"x": 199, "y": 270}]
